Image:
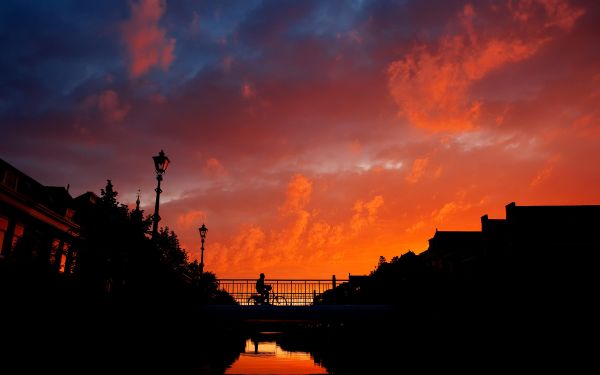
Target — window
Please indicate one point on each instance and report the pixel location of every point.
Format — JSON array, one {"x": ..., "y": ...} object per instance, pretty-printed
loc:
[
  {"x": 17, "y": 236},
  {"x": 3, "y": 229},
  {"x": 10, "y": 180},
  {"x": 63, "y": 258},
  {"x": 54, "y": 251},
  {"x": 69, "y": 214},
  {"x": 71, "y": 261}
]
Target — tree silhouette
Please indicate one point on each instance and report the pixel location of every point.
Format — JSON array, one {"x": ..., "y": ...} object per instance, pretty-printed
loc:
[
  {"x": 170, "y": 250},
  {"x": 109, "y": 196},
  {"x": 119, "y": 264}
]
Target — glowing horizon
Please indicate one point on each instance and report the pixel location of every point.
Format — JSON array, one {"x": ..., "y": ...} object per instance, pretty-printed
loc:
[{"x": 310, "y": 137}]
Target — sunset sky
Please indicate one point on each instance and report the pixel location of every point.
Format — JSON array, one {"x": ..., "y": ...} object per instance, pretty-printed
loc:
[{"x": 310, "y": 136}]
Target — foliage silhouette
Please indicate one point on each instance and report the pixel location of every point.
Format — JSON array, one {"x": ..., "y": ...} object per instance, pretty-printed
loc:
[{"x": 116, "y": 264}]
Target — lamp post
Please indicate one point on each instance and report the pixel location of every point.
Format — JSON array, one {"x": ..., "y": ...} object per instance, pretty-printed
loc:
[
  {"x": 161, "y": 163},
  {"x": 203, "y": 229}
]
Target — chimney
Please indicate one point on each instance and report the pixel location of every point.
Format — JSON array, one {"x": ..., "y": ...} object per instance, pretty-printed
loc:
[
  {"x": 510, "y": 210},
  {"x": 484, "y": 222}
]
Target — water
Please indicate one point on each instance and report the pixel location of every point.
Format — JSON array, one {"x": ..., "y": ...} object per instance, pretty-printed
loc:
[{"x": 263, "y": 355}]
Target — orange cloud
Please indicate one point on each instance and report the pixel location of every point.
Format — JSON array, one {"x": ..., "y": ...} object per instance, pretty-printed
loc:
[
  {"x": 432, "y": 85},
  {"x": 190, "y": 219},
  {"x": 448, "y": 209},
  {"x": 365, "y": 213},
  {"x": 297, "y": 197},
  {"x": 418, "y": 169},
  {"x": 146, "y": 41},
  {"x": 243, "y": 251},
  {"x": 559, "y": 12},
  {"x": 545, "y": 172},
  {"x": 355, "y": 147},
  {"x": 415, "y": 227},
  {"x": 324, "y": 234},
  {"x": 248, "y": 91},
  {"x": 213, "y": 167},
  {"x": 302, "y": 241},
  {"x": 587, "y": 125},
  {"x": 107, "y": 103},
  {"x": 298, "y": 194}
]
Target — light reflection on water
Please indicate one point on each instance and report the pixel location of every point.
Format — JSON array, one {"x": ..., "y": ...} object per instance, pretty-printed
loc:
[{"x": 264, "y": 356}]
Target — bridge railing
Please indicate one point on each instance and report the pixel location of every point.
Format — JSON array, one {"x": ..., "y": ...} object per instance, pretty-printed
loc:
[{"x": 296, "y": 292}]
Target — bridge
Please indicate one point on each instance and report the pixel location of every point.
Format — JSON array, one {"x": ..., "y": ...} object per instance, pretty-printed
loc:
[
  {"x": 285, "y": 292},
  {"x": 296, "y": 307}
]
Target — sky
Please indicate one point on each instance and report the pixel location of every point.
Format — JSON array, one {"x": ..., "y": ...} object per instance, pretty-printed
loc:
[{"x": 311, "y": 137}]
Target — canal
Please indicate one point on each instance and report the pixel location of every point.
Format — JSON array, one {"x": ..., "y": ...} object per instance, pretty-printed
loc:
[{"x": 264, "y": 355}]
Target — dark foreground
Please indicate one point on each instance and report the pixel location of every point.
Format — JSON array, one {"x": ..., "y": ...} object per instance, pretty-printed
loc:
[{"x": 466, "y": 335}]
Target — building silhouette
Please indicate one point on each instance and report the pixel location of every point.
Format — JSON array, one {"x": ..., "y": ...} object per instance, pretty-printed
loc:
[
  {"x": 36, "y": 222},
  {"x": 454, "y": 253},
  {"x": 531, "y": 243}
]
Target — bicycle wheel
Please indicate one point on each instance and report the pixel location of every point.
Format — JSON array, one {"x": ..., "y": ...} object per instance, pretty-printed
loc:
[
  {"x": 252, "y": 301},
  {"x": 279, "y": 301}
]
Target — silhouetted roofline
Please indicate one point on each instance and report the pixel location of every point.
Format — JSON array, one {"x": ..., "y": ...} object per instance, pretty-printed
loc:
[
  {"x": 15, "y": 169},
  {"x": 559, "y": 206},
  {"x": 456, "y": 232}
]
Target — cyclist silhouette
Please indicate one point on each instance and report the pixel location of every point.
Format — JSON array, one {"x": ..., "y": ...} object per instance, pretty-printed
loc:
[{"x": 263, "y": 289}]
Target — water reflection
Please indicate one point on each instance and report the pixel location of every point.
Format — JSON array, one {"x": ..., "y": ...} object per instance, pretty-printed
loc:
[{"x": 263, "y": 355}]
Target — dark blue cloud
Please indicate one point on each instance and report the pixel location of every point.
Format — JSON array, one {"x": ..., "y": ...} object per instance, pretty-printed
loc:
[
  {"x": 308, "y": 61},
  {"x": 55, "y": 53},
  {"x": 50, "y": 49}
]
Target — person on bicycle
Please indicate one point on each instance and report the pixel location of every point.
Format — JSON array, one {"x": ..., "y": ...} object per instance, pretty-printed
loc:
[{"x": 263, "y": 289}]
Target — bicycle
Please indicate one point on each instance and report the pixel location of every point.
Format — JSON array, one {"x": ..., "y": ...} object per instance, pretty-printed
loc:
[{"x": 275, "y": 300}]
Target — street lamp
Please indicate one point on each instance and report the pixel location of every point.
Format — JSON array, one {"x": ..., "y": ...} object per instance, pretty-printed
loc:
[
  {"x": 161, "y": 163},
  {"x": 203, "y": 229}
]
